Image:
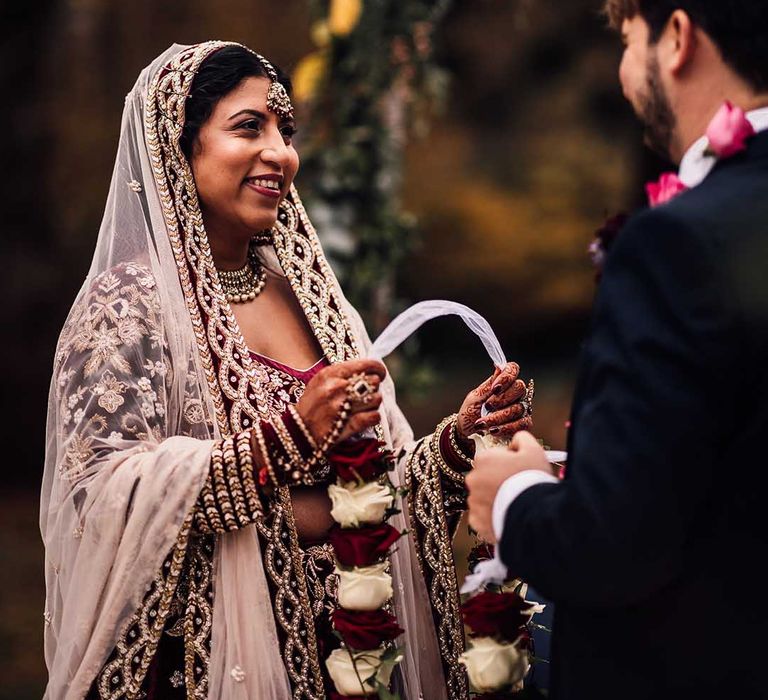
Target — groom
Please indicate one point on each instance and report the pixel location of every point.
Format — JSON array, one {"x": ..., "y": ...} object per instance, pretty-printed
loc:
[{"x": 653, "y": 546}]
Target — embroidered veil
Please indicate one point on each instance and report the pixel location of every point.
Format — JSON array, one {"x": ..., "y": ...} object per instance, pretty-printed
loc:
[{"x": 150, "y": 370}]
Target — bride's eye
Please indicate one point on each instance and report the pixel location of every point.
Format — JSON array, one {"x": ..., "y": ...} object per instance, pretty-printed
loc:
[
  {"x": 251, "y": 125},
  {"x": 288, "y": 131}
]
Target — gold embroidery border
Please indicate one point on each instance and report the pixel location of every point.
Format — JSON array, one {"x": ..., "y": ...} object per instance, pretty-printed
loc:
[{"x": 434, "y": 549}]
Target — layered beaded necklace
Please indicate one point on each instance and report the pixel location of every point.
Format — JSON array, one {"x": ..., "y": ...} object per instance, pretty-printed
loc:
[{"x": 246, "y": 284}]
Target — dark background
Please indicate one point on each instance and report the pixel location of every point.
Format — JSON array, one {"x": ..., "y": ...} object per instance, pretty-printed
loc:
[{"x": 535, "y": 146}]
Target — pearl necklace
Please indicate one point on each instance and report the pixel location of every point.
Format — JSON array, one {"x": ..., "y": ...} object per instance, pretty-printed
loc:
[{"x": 245, "y": 284}]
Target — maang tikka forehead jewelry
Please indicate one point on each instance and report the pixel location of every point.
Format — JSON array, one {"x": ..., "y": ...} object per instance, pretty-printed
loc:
[{"x": 278, "y": 100}]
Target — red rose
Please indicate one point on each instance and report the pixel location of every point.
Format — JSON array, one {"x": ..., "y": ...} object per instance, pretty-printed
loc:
[
  {"x": 526, "y": 640},
  {"x": 478, "y": 553},
  {"x": 365, "y": 629},
  {"x": 604, "y": 239},
  {"x": 496, "y": 615},
  {"x": 364, "y": 459},
  {"x": 362, "y": 546}
]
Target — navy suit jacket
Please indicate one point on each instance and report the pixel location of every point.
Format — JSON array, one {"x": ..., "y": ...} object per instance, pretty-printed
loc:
[{"x": 653, "y": 547}]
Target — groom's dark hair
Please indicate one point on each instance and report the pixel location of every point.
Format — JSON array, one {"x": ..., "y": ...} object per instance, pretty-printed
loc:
[{"x": 738, "y": 27}]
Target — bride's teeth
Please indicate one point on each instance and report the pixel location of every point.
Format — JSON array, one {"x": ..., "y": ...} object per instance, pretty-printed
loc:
[{"x": 270, "y": 184}]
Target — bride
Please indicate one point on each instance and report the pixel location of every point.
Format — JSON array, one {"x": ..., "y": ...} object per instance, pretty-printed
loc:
[{"x": 209, "y": 343}]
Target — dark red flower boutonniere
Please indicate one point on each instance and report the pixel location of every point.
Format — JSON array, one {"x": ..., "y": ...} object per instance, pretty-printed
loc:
[{"x": 604, "y": 238}]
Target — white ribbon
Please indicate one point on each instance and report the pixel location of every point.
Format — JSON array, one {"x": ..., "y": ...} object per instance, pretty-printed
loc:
[
  {"x": 405, "y": 324},
  {"x": 487, "y": 571},
  {"x": 401, "y": 328}
]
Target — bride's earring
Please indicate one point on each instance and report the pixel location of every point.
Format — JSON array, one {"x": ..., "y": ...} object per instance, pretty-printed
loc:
[{"x": 263, "y": 237}]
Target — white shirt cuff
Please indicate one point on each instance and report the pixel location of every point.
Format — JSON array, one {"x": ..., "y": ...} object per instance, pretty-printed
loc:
[{"x": 511, "y": 489}]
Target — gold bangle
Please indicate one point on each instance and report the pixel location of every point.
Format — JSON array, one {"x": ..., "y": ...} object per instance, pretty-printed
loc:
[
  {"x": 262, "y": 443},
  {"x": 295, "y": 465},
  {"x": 220, "y": 492},
  {"x": 453, "y": 437},
  {"x": 245, "y": 461},
  {"x": 208, "y": 517},
  {"x": 234, "y": 481},
  {"x": 213, "y": 519},
  {"x": 438, "y": 455}
]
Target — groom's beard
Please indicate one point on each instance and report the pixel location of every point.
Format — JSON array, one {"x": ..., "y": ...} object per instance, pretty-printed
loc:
[{"x": 656, "y": 113}]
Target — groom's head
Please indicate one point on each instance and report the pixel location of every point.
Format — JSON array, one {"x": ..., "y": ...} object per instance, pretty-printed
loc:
[{"x": 684, "y": 57}]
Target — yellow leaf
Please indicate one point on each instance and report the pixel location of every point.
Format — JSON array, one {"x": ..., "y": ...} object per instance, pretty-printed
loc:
[
  {"x": 344, "y": 16},
  {"x": 308, "y": 75}
]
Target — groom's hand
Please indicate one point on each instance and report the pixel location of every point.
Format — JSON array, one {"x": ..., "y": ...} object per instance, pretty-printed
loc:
[{"x": 492, "y": 468}]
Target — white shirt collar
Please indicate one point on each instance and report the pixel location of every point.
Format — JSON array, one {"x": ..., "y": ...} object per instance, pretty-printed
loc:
[{"x": 695, "y": 166}]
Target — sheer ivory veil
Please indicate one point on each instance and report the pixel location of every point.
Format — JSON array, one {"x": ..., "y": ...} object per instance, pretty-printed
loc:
[{"x": 131, "y": 424}]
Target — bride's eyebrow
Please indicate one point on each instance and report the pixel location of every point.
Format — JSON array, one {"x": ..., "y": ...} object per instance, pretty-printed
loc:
[{"x": 250, "y": 112}]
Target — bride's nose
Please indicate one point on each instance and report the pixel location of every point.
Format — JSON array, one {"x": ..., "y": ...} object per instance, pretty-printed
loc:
[{"x": 276, "y": 151}]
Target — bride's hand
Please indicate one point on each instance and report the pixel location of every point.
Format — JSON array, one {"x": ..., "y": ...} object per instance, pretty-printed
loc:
[
  {"x": 326, "y": 392},
  {"x": 503, "y": 393}
]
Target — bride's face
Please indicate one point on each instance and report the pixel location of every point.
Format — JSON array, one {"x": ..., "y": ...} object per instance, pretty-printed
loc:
[{"x": 243, "y": 162}]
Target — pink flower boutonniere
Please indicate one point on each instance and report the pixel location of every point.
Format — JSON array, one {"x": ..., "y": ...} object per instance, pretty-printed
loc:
[
  {"x": 727, "y": 135},
  {"x": 728, "y": 131},
  {"x": 668, "y": 186}
]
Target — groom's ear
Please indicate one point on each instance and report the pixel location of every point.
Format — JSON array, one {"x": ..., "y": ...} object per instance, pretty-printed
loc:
[{"x": 677, "y": 44}]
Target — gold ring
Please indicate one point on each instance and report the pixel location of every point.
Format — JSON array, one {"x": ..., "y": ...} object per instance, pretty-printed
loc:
[{"x": 360, "y": 390}]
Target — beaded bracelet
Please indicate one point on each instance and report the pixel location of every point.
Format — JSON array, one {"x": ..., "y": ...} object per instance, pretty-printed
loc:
[{"x": 302, "y": 426}]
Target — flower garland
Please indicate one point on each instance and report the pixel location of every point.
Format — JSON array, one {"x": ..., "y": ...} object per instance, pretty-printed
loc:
[
  {"x": 362, "y": 499},
  {"x": 498, "y": 620}
]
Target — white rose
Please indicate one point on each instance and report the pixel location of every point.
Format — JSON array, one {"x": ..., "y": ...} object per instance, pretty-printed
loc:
[
  {"x": 491, "y": 666},
  {"x": 354, "y": 505},
  {"x": 347, "y": 678},
  {"x": 364, "y": 588}
]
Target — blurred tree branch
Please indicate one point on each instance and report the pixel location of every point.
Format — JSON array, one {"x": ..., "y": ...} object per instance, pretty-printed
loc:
[{"x": 370, "y": 85}]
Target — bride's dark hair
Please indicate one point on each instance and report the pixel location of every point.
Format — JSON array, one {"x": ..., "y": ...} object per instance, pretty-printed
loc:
[
  {"x": 218, "y": 75},
  {"x": 738, "y": 27}
]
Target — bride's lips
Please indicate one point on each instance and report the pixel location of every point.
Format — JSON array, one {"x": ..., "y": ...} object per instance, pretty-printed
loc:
[{"x": 267, "y": 185}]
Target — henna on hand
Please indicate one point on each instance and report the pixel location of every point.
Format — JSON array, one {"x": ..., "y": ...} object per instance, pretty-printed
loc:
[
  {"x": 511, "y": 394},
  {"x": 470, "y": 410},
  {"x": 502, "y": 394},
  {"x": 509, "y": 429},
  {"x": 509, "y": 414}
]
